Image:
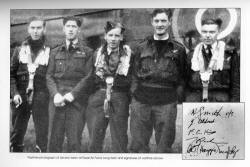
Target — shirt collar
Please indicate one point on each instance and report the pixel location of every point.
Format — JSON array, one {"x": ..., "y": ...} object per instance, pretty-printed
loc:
[
  {"x": 75, "y": 41},
  {"x": 165, "y": 38},
  {"x": 213, "y": 46},
  {"x": 110, "y": 50}
]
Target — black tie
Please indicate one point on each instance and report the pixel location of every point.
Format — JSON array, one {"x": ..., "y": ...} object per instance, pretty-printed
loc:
[
  {"x": 207, "y": 54},
  {"x": 70, "y": 46},
  {"x": 209, "y": 47}
]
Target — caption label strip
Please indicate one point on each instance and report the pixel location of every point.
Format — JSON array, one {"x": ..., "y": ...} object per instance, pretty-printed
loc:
[{"x": 213, "y": 131}]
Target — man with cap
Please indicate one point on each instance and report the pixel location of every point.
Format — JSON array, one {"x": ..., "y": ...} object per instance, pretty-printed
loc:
[
  {"x": 68, "y": 77},
  {"x": 213, "y": 68},
  {"x": 157, "y": 85},
  {"x": 109, "y": 102},
  {"x": 28, "y": 87}
]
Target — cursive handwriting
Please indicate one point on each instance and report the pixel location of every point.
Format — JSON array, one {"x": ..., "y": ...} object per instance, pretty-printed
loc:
[
  {"x": 203, "y": 111},
  {"x": 230, "y": 151},
  {"x": 203, "y": 116},
  {"x": 210, "y": 147}
]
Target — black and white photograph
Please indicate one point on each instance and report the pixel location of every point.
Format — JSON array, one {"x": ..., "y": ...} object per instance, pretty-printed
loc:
[
  {"x": 124, "y": 82},
  {"x": 113, "y": 80}
]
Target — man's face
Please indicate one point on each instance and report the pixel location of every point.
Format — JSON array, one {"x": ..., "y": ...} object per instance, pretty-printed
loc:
[
  {"x": 36, "y": 29},
  {"x": 161, "y": 24},
  {"x": 71, "y": 30},
  {"x": 113, "y": 38},
  {"x": 209, "y": 33}
]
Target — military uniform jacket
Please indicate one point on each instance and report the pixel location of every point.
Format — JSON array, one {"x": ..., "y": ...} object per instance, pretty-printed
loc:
[
  {"x": 122, "y": 73},
  {"x": 227, "y": 79},
  {"x": 19, "y": 75},
  {"x": 161, "y": 73},
  {"x": 70, "y": 71}
]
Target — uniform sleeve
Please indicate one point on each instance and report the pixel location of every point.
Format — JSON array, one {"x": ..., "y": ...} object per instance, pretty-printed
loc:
[
  {"x": 183, "y": 75},
  {"x": 14, "y": 64},
  {"x": 134, "y": 68},
  {"x": 235, "y": 78},
  {"x": 86, "y": 82},
  {"x": 50, "y": 76}
]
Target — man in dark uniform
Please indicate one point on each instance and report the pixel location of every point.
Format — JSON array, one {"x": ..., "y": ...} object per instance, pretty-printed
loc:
[
  {"x": 213, "y": 68},
  {"x": 110, "y": 101},
  {"x": 157, "y": 85},
  {"x": 28, "y": 87},
  {"x": 68, "y": 78}
]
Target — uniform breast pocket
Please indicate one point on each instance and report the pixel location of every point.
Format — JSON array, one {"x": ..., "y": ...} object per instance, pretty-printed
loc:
[
  {"x": 23, "y": 76},
  {"x": 170, "y": 63},
  {"x": 22, "y": 72},
  {"x": 79, "y": 61},
  {"x": 59, "y": 64},
  {"x": 147, "y": 65}
]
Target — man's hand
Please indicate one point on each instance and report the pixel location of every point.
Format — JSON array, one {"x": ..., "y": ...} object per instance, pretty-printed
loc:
[
  {"x": 59, "y": 100},
  {"x": 17, "y": 100},
  {"x": 69, "y": 97}
]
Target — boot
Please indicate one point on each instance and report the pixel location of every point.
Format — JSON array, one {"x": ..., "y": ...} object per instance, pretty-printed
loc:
[{"x": 16, "y": 148}]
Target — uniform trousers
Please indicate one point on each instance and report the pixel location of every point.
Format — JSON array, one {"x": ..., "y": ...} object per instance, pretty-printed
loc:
[
  {"x": 20, "y": 119},
  {"x": 118, "y": 120},
  {"x": 68, "y": 121},
  {"x": 145, "y": 118}
]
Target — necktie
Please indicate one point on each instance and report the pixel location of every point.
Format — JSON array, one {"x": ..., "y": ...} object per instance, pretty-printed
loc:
[
  {"x": 207, "y": 54},
  {"x": 70, "y": 46}
]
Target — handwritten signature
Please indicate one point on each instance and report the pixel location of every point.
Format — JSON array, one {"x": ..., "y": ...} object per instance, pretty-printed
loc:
[
  {"x": 203, "y": 111},
  {"x": 210, "y": 147},
  {"x": 203, "y": 116}
]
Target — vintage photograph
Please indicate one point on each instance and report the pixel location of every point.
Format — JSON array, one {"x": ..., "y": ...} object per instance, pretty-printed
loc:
[{"x": 114, "y": 80}]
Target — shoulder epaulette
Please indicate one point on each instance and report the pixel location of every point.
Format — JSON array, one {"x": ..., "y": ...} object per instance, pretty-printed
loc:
[
  {"x": 178, "y": 44},
  {"x": 56, "y": 46}
]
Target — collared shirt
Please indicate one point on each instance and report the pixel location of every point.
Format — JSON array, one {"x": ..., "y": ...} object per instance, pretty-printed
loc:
[
  {"x": 208, "y": 53},
  {"x": 75, "y": 41},
  {"x": 213, "y": 46},
  {"x": 109, "y": 50},
  {"x": 70, "y": 72},
  {"x": 113, "y": 59}
]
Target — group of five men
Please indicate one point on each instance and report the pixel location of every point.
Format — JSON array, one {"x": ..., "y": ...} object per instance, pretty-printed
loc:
[{"x": 98, "y": 87}]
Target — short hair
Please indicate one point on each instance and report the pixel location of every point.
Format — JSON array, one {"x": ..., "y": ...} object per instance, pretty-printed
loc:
[
  {"x": 218, "y": 22},
  {"x": 168, "y": 12},
  {"x": 36, "y": 18},
  {"x": 112, "y": 25},
  {"x": 72, "y": 18}
]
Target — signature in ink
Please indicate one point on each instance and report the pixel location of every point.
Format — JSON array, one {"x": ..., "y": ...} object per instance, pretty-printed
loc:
[
  {"x": 201, "y": 120},
  {"x": 204, "y": 116},
  {"x": 230, "y": 151},
  {"x": 209, "y": 147}
]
